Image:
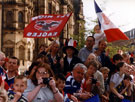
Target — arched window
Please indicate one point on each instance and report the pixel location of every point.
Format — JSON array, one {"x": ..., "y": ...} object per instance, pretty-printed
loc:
[
  {"x": 21, "y": 53},
  {"x": 9, "y": 52},
  {"x": 50, "y": 8},
  {"x": 20, "y": 17},
  {"x": 9, "y": 19},
  {"x": 20, "y": 20}
]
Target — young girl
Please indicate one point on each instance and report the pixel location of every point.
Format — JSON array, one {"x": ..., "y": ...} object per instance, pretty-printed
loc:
[
  {"x": 115, "y": 81},
  {"x": 105, "y": 71}
]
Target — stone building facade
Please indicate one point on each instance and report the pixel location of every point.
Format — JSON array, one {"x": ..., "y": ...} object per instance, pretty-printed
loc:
[{"x": 15, "y": 15}]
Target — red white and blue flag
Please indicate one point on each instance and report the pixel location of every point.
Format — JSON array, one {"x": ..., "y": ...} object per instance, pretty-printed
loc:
[{"x": 112, "y": 32}]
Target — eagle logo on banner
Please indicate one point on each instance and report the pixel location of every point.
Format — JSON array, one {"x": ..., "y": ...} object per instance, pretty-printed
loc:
[{"x": 46, "y": 25}]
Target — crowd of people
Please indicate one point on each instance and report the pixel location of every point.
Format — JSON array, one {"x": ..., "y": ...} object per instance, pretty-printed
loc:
[{"x": 87, "y": 75}]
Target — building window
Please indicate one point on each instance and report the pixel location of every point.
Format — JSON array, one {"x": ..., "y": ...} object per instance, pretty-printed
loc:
[
  {"x": 49, "y": 8},
  {"x": 20, "y": 20},
  {"x": 9, "y": 19},
  {"x": 9, "y": 52},
  {"x": 53, "y": 10},
  {"x": 20, "y": 17},
  {"x": 28, "y": 17},
  {"x": 21, "y": 53}
]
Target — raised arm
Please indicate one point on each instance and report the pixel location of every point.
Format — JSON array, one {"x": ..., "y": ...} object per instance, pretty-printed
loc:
[
  {"x": 57, "y": 95},
  {"x": 31, "y": 95},
  {"x": 115, "y": 91}
]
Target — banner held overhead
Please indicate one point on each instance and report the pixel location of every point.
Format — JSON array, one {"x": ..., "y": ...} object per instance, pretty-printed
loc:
[{"x": 47, "y": 25}]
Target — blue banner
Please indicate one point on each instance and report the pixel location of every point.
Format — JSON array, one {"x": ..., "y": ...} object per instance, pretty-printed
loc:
[
  {"x": 93, "y": 99},
  {"x": 126, "y": 100}
]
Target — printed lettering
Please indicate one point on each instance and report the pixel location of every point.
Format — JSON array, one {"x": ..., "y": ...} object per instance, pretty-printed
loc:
[
  {"x": 29, "y": 34},
  {"x": 44, "y": 34},
  {"x": 34, "y": 34}
]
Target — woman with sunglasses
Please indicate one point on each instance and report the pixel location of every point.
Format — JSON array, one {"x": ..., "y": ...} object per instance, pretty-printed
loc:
[{"x": 41, "y": 86}]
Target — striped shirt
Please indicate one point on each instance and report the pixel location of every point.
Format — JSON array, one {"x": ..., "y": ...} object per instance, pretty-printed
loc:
[
  {"x": 71, "y": 86},
  {"x": 11, "y": 97}
]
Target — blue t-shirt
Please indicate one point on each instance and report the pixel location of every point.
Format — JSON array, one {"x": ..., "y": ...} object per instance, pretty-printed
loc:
[{"x": 10, "y": 81}]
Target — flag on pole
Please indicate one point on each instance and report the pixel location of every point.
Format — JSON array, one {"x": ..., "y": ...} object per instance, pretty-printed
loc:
[
  {"x": 47, "y": 25},
  {"x": 112, "y": 32}
]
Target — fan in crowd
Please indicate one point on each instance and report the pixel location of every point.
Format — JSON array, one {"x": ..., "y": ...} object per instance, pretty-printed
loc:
[
  {"x": 41, "y": 86},
  {"x": 85, "y": 75}
]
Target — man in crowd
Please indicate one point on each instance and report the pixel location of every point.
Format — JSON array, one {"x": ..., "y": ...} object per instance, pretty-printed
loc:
[
  {"x": 12, "y": 70},
  {"x": 74, "y": 82},
  {"x": 85, "y": 51},
  {"x": 103, "y": 57}
]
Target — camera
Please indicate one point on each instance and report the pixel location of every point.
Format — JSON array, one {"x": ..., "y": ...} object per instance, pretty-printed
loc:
[
  {"x": 46, "y": 80},
  {"x": 94, "y": 81}
]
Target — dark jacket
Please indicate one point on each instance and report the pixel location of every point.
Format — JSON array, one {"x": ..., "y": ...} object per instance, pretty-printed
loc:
[
  {"x": 69, "y": 67},
  {"x": 55, "y": 67},
  {"x": 105, "y": 60}
]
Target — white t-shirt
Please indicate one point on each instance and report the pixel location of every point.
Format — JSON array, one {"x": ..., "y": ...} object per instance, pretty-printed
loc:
[
  {"x": 69, "y": 60},
  {"x": 117, "y": 79},
  {"x": 44, "y": 95}
]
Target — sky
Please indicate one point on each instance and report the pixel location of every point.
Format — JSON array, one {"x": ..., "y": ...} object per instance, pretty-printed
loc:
[{"x": 120, "y": 12}]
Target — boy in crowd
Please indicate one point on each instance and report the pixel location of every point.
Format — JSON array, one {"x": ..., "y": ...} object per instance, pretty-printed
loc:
[
  {"x": 20, "y": 84},
  {"x": 105, "y": 71},
  {"x": 60, "y": 82}
]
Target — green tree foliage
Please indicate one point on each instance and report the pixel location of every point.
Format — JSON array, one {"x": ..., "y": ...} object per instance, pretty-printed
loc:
[
  {"x": 113, "y": 49},
  {"x": 81, "y": 36}
]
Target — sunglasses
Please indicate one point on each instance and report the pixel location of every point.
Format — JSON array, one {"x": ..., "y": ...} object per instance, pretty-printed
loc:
[{"x": 43, "y": 73}]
